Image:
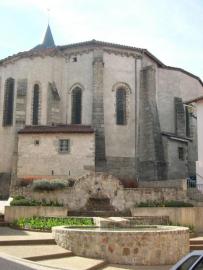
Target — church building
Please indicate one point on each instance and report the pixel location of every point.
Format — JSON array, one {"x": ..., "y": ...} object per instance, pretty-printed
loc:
[{"x": 95, "y": 106}]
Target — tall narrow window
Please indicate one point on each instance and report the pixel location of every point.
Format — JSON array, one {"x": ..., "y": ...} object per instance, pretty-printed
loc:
[
  {"x": 8, "y": 102},
  {"x": 121, "y": 107},
  {"x": 76, "y": 106},
  {"x": 35, "y": 112},
  {"x": 181, "y": 153}
]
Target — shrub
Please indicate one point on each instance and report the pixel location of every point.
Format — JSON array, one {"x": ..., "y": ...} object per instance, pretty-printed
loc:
[
  {"x": 23, "y": 182},
  {"x": 22, "y": 201},
  {"x": 3, "y": 197},
  {"x": 177, "y": 204},
  {"x": 190, "y": 227},
  {"x": 44, "y": 223},
  {"x": 49, "y": 185},
  {"x": 164, "y": 204},
  {"x": 129, "y": 183}
]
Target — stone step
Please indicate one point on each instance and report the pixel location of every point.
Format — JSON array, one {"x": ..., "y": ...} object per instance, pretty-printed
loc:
[
  {"x": 36, "y": 252},
  {"x": 99, "y": 214},
  {"x": 74, "y": 263},
  {"x": 196, "y": 247},
  {"x": 136, "y": 267},
  {"x": 20, "y": 242},
  {"x": 196, "y": 242},
  {"x": 3, "y": 223}
]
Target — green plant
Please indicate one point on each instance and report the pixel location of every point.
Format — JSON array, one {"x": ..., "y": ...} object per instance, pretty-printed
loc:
[
  {"x": 3, "y": 197},
  {"x": 43, "y": 223},
  {"x": 49, "y": 185},
  {"x": 189, "y": 226},
  {"x": 164, "y": 204},
  {"x": 177, "y": 204},
  {"x": 19, "y": 197},
  {"x": 22, "y": 201}
]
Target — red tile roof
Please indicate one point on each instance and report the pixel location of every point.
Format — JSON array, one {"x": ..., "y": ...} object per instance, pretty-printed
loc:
[{"x": 57, "y": 129}]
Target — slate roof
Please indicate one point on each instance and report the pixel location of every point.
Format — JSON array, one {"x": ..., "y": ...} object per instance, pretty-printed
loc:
[
  {"x": 48, "y": 47},
  {"x": 48, "y": 41},
  {"x": 194, "y": 100},
  {"x": 56, "y": 129}
]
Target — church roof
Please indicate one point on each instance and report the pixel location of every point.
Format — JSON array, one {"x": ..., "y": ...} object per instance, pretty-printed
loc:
[
  {"x": 48, "y": 47},
  {"x": 194, "y": 100},
  {"x": 60, "y": 128},
  {"x": 48, "y": 41}
]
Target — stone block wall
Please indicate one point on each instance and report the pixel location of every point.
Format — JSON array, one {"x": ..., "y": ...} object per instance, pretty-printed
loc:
[
  {"x": 103, "y": 186},
  {"x": 188, "y": 216},
  {"x": 162, "y": 246},
  {"x": 98, "y": 107},
  {"x": 45, "y": 159},
  {"x": 151, "y": 162},
  {"x": 13, "y": 213}
]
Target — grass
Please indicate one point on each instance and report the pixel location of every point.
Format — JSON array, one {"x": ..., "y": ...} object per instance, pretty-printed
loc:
[{"x": 43, "y": 223}]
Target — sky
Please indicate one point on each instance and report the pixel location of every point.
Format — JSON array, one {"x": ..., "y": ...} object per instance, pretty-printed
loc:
[{"x": 169, "y": 29}]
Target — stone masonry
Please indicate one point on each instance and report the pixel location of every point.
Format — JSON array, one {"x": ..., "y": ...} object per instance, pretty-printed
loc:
[{"x": 146, "y": 147}]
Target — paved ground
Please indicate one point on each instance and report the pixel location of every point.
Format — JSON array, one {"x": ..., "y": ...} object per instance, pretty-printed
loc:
[
  {"x": 123, "y": 267},
  {"x": 35, "y": 252},
  {"x": 7, "y": 233},
  {"x": 48, "y": 255}
]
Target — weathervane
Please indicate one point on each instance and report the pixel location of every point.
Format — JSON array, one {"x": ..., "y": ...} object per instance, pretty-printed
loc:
[{"x": 48, "y": 14}]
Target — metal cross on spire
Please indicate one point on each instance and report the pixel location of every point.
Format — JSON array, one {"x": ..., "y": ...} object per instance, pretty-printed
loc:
[{"x": 48, "y": 14}]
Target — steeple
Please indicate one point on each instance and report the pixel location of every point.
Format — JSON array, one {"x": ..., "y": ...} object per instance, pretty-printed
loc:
[{"x": 48, "y": 39}]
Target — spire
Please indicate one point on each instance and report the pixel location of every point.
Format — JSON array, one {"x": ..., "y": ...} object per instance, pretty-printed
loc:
[{"x": 48, "y": 39}]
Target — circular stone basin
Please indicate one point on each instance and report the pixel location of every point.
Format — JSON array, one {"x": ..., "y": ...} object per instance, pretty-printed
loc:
[{"x": 147, "y": 245}]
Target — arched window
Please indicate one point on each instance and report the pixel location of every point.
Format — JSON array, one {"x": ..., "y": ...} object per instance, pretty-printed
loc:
[
  {"x": 120, "y": 106},
  {"x": 35, "y": 112},
  {"x": 76, "y": 113},
  {"x": 8, "y": 102}
]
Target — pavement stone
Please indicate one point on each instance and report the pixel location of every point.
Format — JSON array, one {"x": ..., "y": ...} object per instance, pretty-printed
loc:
[
  {"x": 7, "y": 233},
  {"x": 139, "y": 267},
  {"x": 33, "y": 251},
  {"x": 68, "y": 263},
  {"x": 74, "y": 263}
]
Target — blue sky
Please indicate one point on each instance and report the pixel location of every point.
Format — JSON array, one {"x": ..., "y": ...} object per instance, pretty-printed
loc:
[{"x": 170, "y": 29}]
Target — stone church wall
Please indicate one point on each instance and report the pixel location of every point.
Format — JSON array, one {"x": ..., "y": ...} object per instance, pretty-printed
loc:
[
  {"x": 78, "y": 74},
  {"x": 120, "y": 71},
  {"x": 175, "y": 84},
  {"x": 172, "y": 83},
  {"x": 36, "y": 70},
  {"x": 129, "y": 151}
]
